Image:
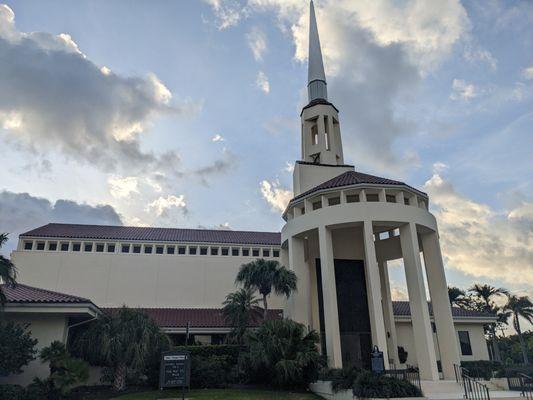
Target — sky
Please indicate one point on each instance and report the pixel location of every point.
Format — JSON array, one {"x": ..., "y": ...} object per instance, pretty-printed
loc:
[{"x": 186, "y": 114}]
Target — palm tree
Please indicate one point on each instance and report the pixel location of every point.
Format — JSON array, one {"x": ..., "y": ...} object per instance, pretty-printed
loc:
[
  {"x": 283, "y": 352},
  {"x": 8, "y": 272},
  {"x": 123, "y": 340},
  {"x": 264, "y": 275},
  {"x": 240, "y": 310},
  {"x": 457, "y": 297},
  {"x": 520, "y": 307},
  {"x": 486, "y": 293}
]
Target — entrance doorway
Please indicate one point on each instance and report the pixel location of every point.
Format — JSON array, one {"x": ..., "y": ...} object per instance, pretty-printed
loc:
[{"x": 352, "y": 305}]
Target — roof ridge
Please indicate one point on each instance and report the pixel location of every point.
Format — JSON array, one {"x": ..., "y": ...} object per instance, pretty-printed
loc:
[{"x": 148, "y": 227}]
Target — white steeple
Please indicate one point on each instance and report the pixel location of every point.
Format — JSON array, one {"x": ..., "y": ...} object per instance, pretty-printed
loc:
[
  {"x": 316, "y": 79},
  {"x": 322, "y": 157}
]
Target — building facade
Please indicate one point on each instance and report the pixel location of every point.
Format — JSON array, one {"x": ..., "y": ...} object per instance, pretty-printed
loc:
[{"x": 341, "y": 230}]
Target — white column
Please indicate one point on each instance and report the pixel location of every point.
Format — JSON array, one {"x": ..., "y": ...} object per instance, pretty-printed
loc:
[
  {"x": 438, "y": 291},
  {"x": 423, "y": 336},
  {"x": 388, "y": 312},
  {"x": 329, "y": 294},
  {"x": 300, "y": 301},
  {"x": 373, "y": 288}
]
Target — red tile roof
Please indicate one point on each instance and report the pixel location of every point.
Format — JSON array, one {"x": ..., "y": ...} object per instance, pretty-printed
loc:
[
  {"x": 349, "y": 178},
  {"x": 28, "y": 294},
  {"x": 107, "y": 232},
  {"x": 402, "y": 309},
  {"x": 197, "y": 317}
]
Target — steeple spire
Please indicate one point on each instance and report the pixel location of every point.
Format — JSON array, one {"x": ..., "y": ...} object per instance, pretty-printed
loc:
[{"x": 316, "y": 79}]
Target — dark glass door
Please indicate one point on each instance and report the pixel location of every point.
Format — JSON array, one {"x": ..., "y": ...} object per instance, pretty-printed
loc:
[{"x": 354, "y": 320}]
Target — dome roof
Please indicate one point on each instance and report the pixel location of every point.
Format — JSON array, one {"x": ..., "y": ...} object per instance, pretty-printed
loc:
[{"x": 350, "y": 178}]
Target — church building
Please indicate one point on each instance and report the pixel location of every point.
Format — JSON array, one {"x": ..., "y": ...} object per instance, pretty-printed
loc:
[{"x": 342, "y": 229}]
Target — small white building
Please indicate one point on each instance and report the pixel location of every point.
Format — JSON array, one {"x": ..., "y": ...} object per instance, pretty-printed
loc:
[{"x": 341, "y": 230}]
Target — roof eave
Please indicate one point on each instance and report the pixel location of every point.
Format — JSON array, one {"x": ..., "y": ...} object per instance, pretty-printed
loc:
[{"x": 297, "y": 199}]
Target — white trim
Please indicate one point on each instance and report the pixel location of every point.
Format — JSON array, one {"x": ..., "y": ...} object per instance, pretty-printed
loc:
[{"x": 52, "y": 308}]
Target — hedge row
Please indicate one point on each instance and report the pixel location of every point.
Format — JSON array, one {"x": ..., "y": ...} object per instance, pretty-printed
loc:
[
  {"x": 213, "y": 366},
  {"x": 365, "y": 384}
]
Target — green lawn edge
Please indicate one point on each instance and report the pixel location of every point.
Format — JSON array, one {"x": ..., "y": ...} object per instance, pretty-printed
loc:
[{"x": 219, "y": 394}]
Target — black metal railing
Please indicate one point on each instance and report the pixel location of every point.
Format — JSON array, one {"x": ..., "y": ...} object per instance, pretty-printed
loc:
[
  {"x": 410, "y": 375},
  {"x": 473, "y": 389},
  {"x": 523, "y": 383}
]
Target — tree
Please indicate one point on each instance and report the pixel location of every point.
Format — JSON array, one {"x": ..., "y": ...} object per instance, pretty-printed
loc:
[
  {"x": 8, "y": 272},
  {"x": 65, "y": 370},
  {"x": 520, "y": 307},
  {"x": 457, "y": 297},
  {"x": 264, "y": 275},
  {"x": 124, "y": 341},
  {"x": 283, "y": 353},
  {"x": 240, "y": 310},
  {"x": 486, "y": 294},
  {"x": 17, "y": 347}
]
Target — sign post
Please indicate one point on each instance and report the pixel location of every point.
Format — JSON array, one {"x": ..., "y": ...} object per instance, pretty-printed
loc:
[
  {"x": 378, "y": 363},
  {"x": 175, "y": 370}
]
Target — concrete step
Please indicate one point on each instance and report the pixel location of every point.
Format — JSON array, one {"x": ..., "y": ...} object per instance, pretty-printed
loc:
[{"x": 440, "y": 387}]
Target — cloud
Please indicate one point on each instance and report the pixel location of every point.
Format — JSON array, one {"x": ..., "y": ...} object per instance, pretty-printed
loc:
[
  {"x": 228, "y": 13},
  {"x": 123, "y": 187},
  {"x": 262, "y": 82},
  {"x": 462, "y": 90},
  {"x": 222, "y": 227},
  {"x": 378, "y": 51},
  {"x": 474, "y": 54},
  {"x": 289, "y": 167},
  {"x": 53, "y": 98},
  {"x": 399, "y": 293},
  {"x": 162, "y": 205},
  {"x": 480, "y": 241},
  {"x": 221, "y": 166},
  {"x": 257, "y": 42},
  {"x": 217, "y": 138},
  {"x": 527, "y": 73},
  {"x": 20, "y": 212},
  {"x": 440, "y": 166},
  {"x": 275, "y": 196}
]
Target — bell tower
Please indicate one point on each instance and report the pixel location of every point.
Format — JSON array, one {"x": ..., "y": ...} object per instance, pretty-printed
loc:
[{"x": 322, "y": 156}]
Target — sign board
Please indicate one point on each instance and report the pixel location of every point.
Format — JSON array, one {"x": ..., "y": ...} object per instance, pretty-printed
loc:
[
  {"x": 175, "y": 370},
  {"x": 378, "y": 363}
]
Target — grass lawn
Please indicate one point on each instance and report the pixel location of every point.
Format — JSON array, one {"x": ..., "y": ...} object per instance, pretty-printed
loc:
[{"x": 220, "y": 394}]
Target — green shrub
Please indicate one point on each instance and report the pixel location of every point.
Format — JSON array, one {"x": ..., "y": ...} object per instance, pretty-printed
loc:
[
  {"x": 282, "y": 353},
  {"x": 213, "y": 366},
  {"x": 65, "y": 371},
  {"x": 12, "y": 392},
  {"x": 341, "y": 379},
  {"x": 370, "y": 385},
  {"x": 514, "y": 370},
  {"x": 481, "y": 369},
  {"x": 17, "y": 347},
  {"x": 212, "y": 372},
  {"x": 42, "y": 389},
  {"x": 229, "y": 350}
]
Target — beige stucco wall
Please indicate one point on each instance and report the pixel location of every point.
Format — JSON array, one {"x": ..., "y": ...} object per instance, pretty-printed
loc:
[
  {"x": 153, "y": 280},
  {"x": 44, "y": 328},
  {"x": 404, "y": 331}
]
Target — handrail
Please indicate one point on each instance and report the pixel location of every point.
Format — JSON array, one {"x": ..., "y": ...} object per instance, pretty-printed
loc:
[
  {"x": 526, "y": 383},
  {"x": 473, "y": 389},
  {"x": 409, "y": 375}
]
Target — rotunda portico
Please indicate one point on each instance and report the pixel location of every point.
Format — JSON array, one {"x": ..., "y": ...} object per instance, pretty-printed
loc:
[
  {"x": 342, "y": 228},
  {"x": 354, "y": 222}
]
